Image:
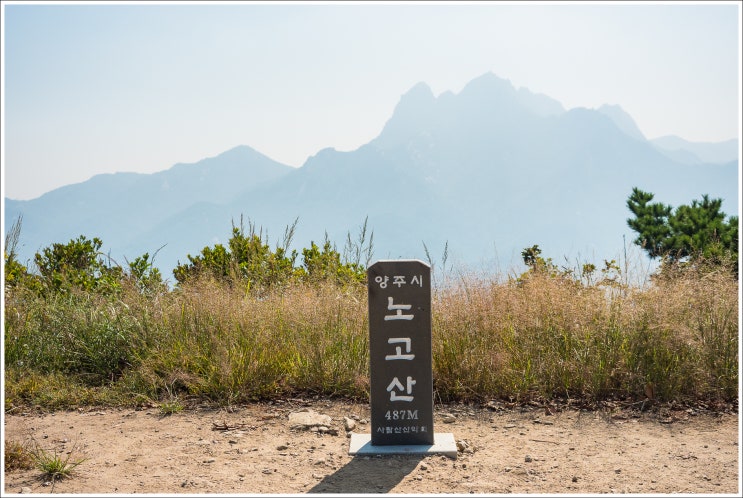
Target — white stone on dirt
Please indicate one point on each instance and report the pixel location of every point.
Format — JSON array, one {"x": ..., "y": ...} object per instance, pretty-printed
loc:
[
  {"x": 448, "y": 418},
  {"x": 349, "y": 424},
  {"x": 308, "y": 419}
]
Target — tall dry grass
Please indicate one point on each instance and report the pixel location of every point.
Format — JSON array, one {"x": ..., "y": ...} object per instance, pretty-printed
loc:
[
  {"x": 553, "y": 337},
  {"x": 224, "y": 345},
  {"x": 541, "y": 335}
]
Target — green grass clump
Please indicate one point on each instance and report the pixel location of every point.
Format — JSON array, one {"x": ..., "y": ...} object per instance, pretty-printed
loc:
[
  {"x": 171, "y": 406},
  {"x": 53, "y": 465}
]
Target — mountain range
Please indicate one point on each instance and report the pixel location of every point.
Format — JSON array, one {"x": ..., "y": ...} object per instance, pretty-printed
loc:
[{"x": 482, "y": 174}]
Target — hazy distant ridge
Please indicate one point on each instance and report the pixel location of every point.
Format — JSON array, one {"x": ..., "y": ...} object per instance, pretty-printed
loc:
[
  {"x": 489, "y": 170},
  {"x": 698, "y": 152}
]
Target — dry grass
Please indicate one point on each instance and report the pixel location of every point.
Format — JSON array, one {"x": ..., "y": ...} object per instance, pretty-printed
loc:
[
  {"x": 510, "y": 338},
  {"x": 17, "y": 456},
  {"x": 556, "y": 337}
]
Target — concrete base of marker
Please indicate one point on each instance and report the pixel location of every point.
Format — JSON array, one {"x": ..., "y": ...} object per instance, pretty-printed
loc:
[{"x": 443, "y": 444}]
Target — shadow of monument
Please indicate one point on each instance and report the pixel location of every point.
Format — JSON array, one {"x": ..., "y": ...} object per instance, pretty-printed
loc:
[{"x": 369, "y": 474}]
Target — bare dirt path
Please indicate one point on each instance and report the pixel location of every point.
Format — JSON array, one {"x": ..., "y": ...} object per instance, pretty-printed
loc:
[{"x": 252, "y": 450}]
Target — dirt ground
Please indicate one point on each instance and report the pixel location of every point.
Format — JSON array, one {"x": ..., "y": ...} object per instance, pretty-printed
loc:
[{"x": 503, "y": 449}]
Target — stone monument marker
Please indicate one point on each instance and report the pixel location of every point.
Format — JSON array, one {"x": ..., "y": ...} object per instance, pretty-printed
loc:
[
  {"x": 401, "y": 362},
  {"x": 400, "y": 352}
]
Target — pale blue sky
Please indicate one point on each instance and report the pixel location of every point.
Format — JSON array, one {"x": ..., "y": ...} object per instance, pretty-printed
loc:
[{"x": 139, "y": 87}]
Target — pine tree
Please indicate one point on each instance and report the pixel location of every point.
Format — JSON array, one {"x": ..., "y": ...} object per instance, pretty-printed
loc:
[{"x": 689, "y": 232}]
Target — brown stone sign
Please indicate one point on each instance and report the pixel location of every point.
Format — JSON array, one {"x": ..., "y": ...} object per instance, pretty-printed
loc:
[{"x": 400, "y": 353}]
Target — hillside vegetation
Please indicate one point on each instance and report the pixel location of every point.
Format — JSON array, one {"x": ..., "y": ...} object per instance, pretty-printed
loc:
[{"x": 248, "y": 322}]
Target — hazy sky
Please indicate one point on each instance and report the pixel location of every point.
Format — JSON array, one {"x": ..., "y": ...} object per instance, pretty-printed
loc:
[{"x": 138, "y": 87}]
